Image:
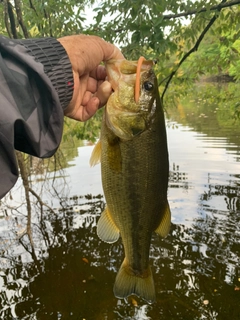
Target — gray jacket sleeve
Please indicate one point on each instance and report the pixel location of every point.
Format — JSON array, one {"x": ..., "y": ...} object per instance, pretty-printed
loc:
[{"x": 36, "y": 85}]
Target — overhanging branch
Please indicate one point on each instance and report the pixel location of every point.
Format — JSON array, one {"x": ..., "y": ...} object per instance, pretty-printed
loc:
[
  {"x": 216, "y": 7},
  {"x": 194, "y": 48}
]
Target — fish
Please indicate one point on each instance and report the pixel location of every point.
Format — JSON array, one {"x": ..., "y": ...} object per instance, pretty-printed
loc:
[{"x": 133, "y": 153}]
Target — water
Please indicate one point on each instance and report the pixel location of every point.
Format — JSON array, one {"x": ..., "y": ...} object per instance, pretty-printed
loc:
[{"x": 69, "y": 274}]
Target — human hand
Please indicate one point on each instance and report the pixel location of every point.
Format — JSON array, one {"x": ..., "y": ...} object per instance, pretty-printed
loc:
[{"x": 91, "y": 91}]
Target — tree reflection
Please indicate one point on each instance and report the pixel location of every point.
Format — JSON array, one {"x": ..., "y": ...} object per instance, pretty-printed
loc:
[
  {"x": 196, "y": 269},
  {"x": 210, "y": 109},
  {"x": 177, "y": 178}
]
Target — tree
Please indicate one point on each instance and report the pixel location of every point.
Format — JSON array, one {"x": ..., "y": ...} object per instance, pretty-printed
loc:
[
  {"x": 26, "y": 19},
  {"x": 38, "y": 18},
  {"x": 167, "y": 30}
]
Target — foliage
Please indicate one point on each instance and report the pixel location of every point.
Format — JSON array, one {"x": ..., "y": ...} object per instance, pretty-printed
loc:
[
  {"x": 219, "y": 51},
  {"x": 146, "y": 28},
  {"x": 42, "y": 18},
  {"x": 178, "y": 34},
  {"x": 88, "y": 130},
  {"x": 162, "y": 30},
  {"x": 217, "y": 102}
]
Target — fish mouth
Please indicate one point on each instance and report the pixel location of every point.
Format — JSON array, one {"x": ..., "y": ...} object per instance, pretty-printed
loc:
[{"x": 116, "y": 69}]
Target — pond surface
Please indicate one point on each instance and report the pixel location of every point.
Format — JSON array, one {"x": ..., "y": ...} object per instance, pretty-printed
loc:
[{"x": 69, "y": 273}]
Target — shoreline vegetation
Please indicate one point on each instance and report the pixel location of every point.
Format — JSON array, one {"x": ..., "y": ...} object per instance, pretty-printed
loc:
[{"x": 220, "y": 78}]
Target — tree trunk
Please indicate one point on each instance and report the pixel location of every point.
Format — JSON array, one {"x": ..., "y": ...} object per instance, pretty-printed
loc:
[
  {"x": 20, "y": 18},
  {"x": 9, "y": 10}
]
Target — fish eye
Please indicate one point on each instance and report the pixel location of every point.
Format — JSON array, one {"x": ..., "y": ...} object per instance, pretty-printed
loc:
[{"x": 148, "y": 86}]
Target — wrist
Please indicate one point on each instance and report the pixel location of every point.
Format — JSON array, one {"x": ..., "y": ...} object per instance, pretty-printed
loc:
[{"x": 70, "y": 109}]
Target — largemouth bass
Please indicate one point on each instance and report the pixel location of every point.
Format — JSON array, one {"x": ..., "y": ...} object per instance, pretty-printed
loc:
[{"x": 134, "y": 165}]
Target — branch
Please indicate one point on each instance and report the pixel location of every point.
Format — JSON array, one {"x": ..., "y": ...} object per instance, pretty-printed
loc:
[
  {"x": 7, "y": 24},
  {"x": 50, "y": 25},
  {"x": 196, "y": 11},
  {"x": 40, "y": 27},
  {"x": 20, "y": 18},
  {"x": 11, "y": 18},
  {"x": 194, "y": 48},
  {"x": 40, "y": 200},
  {"x": 32, "y": 7},
  {"x": 216, "y": 7},
  {"x": 24, "y": 176}
]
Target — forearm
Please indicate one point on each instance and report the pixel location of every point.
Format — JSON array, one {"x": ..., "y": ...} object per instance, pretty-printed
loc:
[
  {"x": 52, "y": 56},
  {"x": 36, "y": 86}
]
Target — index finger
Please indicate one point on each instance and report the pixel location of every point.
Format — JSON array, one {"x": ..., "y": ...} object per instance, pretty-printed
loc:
[{"x": 110, "y": 51}]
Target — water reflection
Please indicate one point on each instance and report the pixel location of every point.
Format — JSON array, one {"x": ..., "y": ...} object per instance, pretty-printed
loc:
[
  {"x": 197, "y": 269},
  {"x": 69, "y": 273}
]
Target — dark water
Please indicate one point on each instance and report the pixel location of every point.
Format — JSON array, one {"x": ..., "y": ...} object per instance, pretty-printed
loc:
[{"x": 69, "y": 273}]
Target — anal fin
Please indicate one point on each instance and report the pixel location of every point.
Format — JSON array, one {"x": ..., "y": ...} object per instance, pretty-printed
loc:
[
  {"x": 106, "y": 228},
  {"x": 165, "y": 224}
]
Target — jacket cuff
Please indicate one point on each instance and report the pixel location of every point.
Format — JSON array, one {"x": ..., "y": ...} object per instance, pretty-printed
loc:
[{"x": 52, "y": 55}]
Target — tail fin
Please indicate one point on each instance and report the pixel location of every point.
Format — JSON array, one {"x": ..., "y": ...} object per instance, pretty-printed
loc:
[{"x": 127, "y": 283}]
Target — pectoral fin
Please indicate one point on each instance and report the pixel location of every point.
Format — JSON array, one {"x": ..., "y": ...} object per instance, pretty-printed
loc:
[
  {"x": 164, "y": 226},
  {"x": 96, "y": 154},
  {"x": 106, "y": 228}
]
